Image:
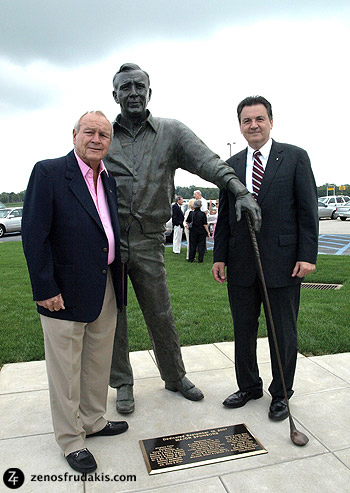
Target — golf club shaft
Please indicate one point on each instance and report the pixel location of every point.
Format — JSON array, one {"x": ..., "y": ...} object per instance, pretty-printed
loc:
[{"x": 269, "y": 313}]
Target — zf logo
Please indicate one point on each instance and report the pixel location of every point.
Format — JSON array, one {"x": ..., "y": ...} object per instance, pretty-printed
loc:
[{"x": 13, "y": 478}]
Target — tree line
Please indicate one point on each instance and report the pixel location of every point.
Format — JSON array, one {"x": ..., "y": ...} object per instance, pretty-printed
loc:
[
  {"x": 213, "y": 193},
  {"x": 12, "y": 197}
]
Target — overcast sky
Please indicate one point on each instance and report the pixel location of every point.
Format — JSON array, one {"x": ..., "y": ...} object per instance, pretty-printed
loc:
[{"x": 58, "y": 58}]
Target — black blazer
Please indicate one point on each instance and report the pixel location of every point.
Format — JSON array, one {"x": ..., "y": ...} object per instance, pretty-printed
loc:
[
  {"x": 198, "y": 220},
  {"x": 64, "y": 241},
  {"x": 289, "y": 232},
  {"x": 177, "y": 215}
]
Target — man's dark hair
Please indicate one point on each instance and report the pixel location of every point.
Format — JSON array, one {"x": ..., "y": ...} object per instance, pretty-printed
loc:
[
  {"x": 130, "y": 67},
  {"x": 252, "y": 101}
]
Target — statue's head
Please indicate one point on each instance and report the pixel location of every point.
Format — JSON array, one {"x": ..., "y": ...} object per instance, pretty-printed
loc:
[{"x": 131, "y": 89}]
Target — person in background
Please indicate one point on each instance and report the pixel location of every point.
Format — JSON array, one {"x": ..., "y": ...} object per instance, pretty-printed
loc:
[
  {"x": 281, "y": 179},
  {"x": 71, "y": 240},
  {"x": 187, "y": 229},
  {"x": 198, "y": 226},
  {"x": 177, "y": 217},
  {"x": 197, "y": 194}
]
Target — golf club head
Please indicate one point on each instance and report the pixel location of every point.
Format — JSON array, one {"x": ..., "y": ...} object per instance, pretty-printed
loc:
[{"x": 298, "y": 438}]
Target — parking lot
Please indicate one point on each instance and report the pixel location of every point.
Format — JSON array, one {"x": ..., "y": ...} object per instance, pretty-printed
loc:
[{"x": 334, "y": 238}]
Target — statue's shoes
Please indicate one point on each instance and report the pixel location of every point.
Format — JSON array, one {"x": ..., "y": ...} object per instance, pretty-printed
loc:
[
  {"x": 186, "y": 388},
  {"x": 125, "y": 399}
]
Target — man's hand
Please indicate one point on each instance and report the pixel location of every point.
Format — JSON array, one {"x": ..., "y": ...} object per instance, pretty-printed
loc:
[
  {"x": 53, "y": 304},
  {"x": 218, "y": 272},
  {"x": 248, "y": 203},
  {"x": 302, "y": 269}
]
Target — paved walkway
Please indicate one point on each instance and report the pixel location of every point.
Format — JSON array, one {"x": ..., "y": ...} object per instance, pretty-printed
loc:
[{"x": 321, "y": 408}]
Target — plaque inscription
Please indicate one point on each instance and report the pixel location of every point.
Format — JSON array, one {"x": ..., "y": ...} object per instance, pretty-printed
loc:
[{"x": 197, "y": 448}]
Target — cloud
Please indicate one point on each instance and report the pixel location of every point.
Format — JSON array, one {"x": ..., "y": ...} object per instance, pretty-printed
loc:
[
  {"x": 23, "y": 88},
  {"x": 203, "y": 58},
  {"x": 68, "y": 32}
]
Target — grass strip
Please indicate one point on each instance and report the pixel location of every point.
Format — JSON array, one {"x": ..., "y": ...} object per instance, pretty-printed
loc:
[{"x": 200, "y": 307}]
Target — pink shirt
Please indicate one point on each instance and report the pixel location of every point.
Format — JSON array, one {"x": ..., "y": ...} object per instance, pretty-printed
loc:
[{"x": 100, "y": 201}]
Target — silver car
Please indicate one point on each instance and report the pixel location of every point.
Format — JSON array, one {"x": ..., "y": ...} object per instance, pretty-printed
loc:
[
  {"x": 343, "y": 211},
  {"x": 10, "y": 220},
  {"x": 334, "y": 201},
  {"x": 325, "y": 211}
]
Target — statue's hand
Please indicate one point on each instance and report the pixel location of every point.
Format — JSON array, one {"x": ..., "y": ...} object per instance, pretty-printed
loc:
[{"x": 248, "y": 203}]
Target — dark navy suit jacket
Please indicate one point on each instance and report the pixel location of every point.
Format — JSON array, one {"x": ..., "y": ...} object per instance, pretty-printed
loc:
[
  {"x": 64, "y": 241},
  {"x": 289, "y": 232},
  {"x": 177, "y": 215}
]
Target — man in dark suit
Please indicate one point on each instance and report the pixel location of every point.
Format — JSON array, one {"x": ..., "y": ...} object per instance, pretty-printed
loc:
[
  {"x": 71, "y": 241},
  {"x": 177, "y": 217},
  {"x": 281, "y": 179}
]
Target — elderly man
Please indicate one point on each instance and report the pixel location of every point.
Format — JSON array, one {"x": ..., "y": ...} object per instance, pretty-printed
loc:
[
  {"x": 197, "y": 195},
  {"x": 143, "y": 157},
  {"x": 281, "y": 179},
  {"x": 71, "y": 237}
]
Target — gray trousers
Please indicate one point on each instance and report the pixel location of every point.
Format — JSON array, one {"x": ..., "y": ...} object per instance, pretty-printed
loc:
[{"x": 144, "y": 253}]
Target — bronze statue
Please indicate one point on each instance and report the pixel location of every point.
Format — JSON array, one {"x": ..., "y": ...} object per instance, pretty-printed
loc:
[{"x": 143, "y": 157}]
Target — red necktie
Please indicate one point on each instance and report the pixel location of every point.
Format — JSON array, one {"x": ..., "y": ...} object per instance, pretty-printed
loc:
[{"x": 258, "y": 173}]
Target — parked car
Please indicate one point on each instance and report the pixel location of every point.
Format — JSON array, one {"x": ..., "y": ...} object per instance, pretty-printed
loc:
[
  {"x": 343, "y": 211},
  {"x": 325, "y": 210},
  {"x": 10, "y": 220},
  {"x": 334, "y": 201}
]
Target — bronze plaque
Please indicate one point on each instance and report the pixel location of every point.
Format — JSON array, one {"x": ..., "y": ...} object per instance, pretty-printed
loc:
[{"x": 198, "y": 448}]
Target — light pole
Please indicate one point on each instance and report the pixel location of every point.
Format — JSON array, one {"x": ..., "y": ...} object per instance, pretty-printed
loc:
[{"x": 229, "y": 144}]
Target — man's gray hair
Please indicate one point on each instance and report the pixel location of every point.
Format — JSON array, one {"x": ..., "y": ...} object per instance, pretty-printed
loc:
[
  {"x": 197, "y": 204},
  {"x": 197, "y": 191},
  {"x": 94, "y": 112}
]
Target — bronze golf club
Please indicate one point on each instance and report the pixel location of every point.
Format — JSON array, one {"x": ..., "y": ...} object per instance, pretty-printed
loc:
[{"x": 297, "y": 437}]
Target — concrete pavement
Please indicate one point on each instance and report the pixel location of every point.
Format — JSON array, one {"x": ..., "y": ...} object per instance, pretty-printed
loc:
[
  {"x": 320, "y": 406},
  {"x": 329, "y": 226}
]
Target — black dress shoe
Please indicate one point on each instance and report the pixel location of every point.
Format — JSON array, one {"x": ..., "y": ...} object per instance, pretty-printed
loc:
[
  {"x": 278, "y": 409},
  {"x": 187, "y": 389},
  {"x": 111, "y": 428},
  {"x": 240, "y": 398},
  {"x": 82, "y": 461}
]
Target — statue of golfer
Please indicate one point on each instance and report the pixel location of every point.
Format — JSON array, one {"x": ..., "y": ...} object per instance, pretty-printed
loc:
[{"x": 143, "y": 157}]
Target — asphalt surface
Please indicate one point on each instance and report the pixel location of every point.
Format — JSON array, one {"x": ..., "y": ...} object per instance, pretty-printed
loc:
[{"x": 334, "y": 238}]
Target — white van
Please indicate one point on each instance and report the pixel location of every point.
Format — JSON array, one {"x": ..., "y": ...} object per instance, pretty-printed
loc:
[{"x": 334, "y": 199}]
